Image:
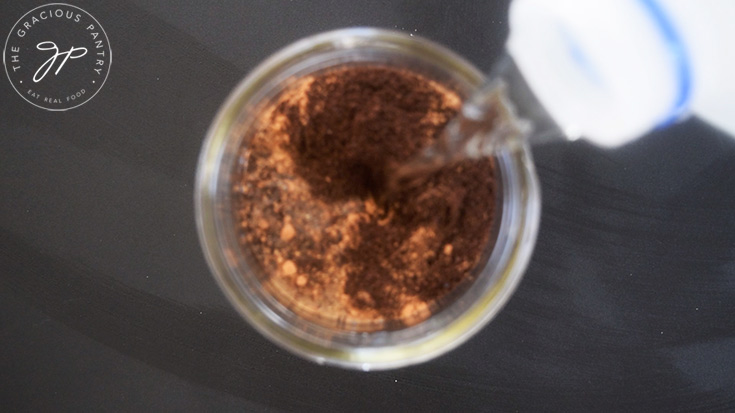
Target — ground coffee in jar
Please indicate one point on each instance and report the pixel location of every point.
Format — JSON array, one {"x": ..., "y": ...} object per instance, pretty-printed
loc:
[{"x": 305, "y": 196}]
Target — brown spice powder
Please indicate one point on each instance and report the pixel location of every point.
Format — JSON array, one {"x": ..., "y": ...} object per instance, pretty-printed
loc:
[{"x": 305, "y": 200}]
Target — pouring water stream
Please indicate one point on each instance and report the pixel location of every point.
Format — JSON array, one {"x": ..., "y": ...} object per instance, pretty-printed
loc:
[{"x": 502, "y": 114}]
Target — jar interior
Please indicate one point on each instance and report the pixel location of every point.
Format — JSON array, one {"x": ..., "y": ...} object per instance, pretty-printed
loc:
[{"x": 248, "y": 271}]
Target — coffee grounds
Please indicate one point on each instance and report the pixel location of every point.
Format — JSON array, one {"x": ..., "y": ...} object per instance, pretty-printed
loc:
[{"x": 306, "y": 190}]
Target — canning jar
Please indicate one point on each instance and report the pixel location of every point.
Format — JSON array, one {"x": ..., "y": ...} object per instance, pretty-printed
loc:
[{"x": 511, "y": 242}]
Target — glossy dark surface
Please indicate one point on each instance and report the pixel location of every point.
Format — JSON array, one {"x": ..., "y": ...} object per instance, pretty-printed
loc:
[{"x": 106, "y": 302}]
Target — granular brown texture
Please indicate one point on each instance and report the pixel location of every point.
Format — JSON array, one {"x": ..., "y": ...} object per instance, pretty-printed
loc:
[{"x": 305, "y": 199}]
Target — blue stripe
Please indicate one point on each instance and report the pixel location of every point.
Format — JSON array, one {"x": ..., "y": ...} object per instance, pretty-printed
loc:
[
  {"x": 579, "y": 56},
  {"x": 679, "y": 54}
]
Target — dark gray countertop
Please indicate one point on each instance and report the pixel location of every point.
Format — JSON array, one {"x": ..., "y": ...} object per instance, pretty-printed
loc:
[{"x": 106, "y": 302}]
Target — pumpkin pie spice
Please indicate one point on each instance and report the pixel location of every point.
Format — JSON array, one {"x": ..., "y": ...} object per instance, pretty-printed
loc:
[{"x": 305, "y": 194}]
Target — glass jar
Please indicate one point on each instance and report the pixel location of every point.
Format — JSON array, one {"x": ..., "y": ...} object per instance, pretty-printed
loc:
[{"x": 511, "y": 242}]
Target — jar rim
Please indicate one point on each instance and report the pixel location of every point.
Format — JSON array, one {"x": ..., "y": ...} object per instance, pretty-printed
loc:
[{"x": 373, "y": 357}]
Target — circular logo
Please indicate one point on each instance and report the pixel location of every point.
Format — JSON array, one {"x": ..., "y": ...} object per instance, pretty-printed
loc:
[{"x": 57, "y": 56}]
